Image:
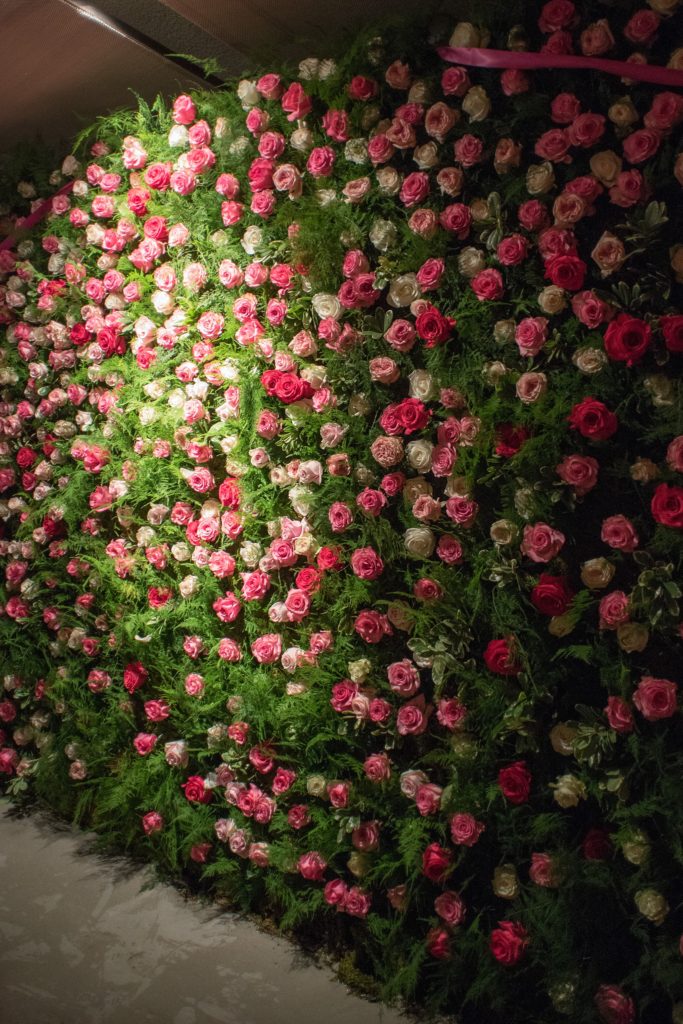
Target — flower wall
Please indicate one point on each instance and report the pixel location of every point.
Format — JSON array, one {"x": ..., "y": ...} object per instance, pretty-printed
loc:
[{"x": 340, "y": 461}]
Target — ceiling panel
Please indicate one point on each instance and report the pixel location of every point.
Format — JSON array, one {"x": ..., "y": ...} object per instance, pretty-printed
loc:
[{"x": 61, "y": 70}]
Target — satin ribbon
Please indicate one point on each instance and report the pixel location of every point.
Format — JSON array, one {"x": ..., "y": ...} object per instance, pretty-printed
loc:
[
  {"x": 35, "y": 218},
  {"x": 472, "y": 56}
]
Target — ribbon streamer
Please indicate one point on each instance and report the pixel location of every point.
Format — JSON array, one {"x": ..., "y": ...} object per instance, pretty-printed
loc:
[
  {"x": 36, "y": 216},
  {"x": 482, "y": 58}
]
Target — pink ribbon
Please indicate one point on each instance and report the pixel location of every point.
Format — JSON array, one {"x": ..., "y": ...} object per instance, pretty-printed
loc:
[
  {"x": 38, "y": 214},
  {"x": 482, "y": 58}
]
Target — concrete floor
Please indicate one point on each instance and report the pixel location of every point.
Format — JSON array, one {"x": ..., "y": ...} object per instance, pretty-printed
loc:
[{"x": 85, "y": 940}]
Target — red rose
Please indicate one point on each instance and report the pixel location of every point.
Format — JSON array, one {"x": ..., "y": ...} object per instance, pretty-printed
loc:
[
  {"x": 627, "y": 339},
  {"x": 593, "y": 420},
  {"x": 413, "y": 415},
  {"x": 195, "y": 790},
  {"x": 597, "y": 844},
  {"x": 551, "y": 595},
  {"x": 134, "y": 676},
  {"x": 515, "y": 782},
  {"x": 500, "y": 657},
  {"x": 439, "y": 943},
  {"x": 566, "y": 272},
  {"x": 508, "y": 942},
  {"x": 672, "y": 329},
  {"x": 667, "y": 506},
  {"x": 509, "y": 439},
  {"x": 436, "y": 860},
  {"x": 433, "y": 327}
]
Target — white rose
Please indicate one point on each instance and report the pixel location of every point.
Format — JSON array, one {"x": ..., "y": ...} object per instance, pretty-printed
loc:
[
  {"x": 239, "y": 146},
  {"x": 252, "y": 239},
  {"x": 426, "y": 156},
  {"x": 189, "y": 585},
  {"x": 247, "y": 93},
  {"x": 389, "y": 180},
  {"x": 154, "y": 389},
  {"x": 503, "y": 532},
  {"x": 301, "y": 500},
  {"x": 163, "y": 302},
  {"x": 419, "y": 541},
  {"x": 328, "y": 67},
  {"x": 403, "y": 290},
  {"x": 652, "y": 905},
  {"x": 144, "y": 536},
  {"x": 590, "y": 360},
  {"x": 309, "y": 68},
  {"x": 477, "y": 103},
  {"x": 383, "y": 234},
  {"x": 176, "y": 398},
  {"x": 177, "y": 137},
  {"x": 181, "y": 552},
  {"x": 467, "y": 34},
  {"x": 568, "y": 790},
  {"x": 301, "y": 140},
  {"x": 250, "y": 553},
  {"x": 661, "y": 389},
  {"x": 421, "y": 385},
  {"x": 325, "y": 196},
  {"x": 359, "y": 670},
  {"x": 552, "y": 299},
  {"x": 326, "y": 304},
  {"x": 356, "y": 151},
  {"x": 540, "y": 178},
  {"x": 470, "y": 261}
]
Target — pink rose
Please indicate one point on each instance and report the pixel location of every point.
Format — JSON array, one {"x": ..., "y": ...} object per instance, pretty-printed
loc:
[
  {"x": 618, "y": 532},
  {"x": 487, "y": 285},
  {"x": 580, "y": 472},
  {"x": 541, "y": 543},
  {"x": 412, "y": 718},
  {"x": 312, "y": 866},
  {"x": 656, "y": 698},
  {"x": 640, "y": 145},
  {"x": 619, "y": 715},
  {"x": 465, "y": 829},
  {"x": 428, "y": 798},
  {"x": 321, "y": 161},
  {"x": 614, "y": 610},
  {"x": 450, "y": 907},
  {"x": 614, "y": 1006},
  {"x": 531, "y": 334}
]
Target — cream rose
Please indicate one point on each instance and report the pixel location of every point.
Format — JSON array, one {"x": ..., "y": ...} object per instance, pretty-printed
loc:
[
  {"x": 540, "y": 178},
  {"x": 597, "y": 573},
  {"x": 652, "y": 905},
  {"x": 568, "y": 790},
  {"x": 506, "y": 882},
  {"x": 419, "y": 541},
  {"x": 477, "y": 103},
  {"x": 403, "y": 290},
  {"x": 606, "y": 165}
]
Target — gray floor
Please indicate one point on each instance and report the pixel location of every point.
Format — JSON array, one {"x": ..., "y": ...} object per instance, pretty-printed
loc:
[{"x": 84, "y": 940}]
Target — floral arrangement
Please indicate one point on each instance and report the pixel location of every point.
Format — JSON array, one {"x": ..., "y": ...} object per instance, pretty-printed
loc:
[{"x": 340, "y": 473}]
